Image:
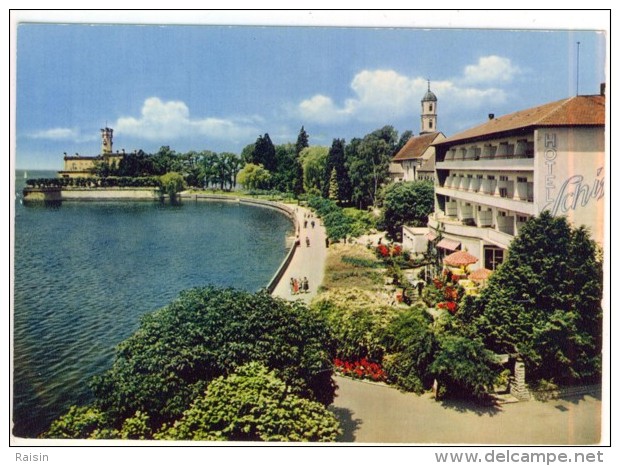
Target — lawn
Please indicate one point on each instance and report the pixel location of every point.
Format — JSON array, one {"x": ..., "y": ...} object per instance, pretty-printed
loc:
[{"x": 353, "y": 266}]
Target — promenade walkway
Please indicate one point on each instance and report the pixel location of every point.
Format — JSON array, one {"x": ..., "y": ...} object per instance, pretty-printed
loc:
[
  {"x": 308, "y": 261},
  {"x": 372, "y": 413}
]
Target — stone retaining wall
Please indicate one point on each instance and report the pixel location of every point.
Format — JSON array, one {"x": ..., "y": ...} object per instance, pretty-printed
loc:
[
  {"x": 110, "y": 194},
  {"x": 565, "y": 392}
]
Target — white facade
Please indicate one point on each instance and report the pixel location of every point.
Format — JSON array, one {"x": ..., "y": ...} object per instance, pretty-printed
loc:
[{"x": 488, "y": 186}]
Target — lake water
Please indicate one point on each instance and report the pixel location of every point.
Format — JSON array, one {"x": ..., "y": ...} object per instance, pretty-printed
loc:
[{"x": 85, "y": 272}]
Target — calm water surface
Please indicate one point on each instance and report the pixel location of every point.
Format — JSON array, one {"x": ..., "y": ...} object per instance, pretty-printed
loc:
[{"x": 86, "y": 272}]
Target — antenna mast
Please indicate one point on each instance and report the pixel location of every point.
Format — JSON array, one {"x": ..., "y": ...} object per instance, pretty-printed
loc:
[{"x": 578, "y": 67}]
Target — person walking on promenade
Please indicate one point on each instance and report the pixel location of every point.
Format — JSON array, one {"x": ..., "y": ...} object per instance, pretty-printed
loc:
[
  {"x": 326, "y": 242},
  {"x": 307, "y": 242},
  {"x": 312, "y": 223},
  {"x": 304, "y": 284},
  {"x": 305, "y": 223},
  {"x": 292, "y": 285},
  {"x": 295, "y": 286}
]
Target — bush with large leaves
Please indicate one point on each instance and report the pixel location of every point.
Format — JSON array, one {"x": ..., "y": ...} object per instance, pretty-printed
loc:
[
  {"x": 207, "y": 333},
  {"x": 253, "y": 404},
  {"x": 410, "y": 340}
]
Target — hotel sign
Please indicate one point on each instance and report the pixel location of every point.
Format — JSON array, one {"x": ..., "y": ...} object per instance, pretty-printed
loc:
[{"x": 562, "y": 196}]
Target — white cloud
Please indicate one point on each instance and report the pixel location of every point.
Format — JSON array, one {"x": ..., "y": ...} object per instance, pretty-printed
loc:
[
  {"x": 491, "y": 69},
  {"x": 56, "y": 134},
  {"x": 386, "y": 94},
  {"x": 160, "y": 121}
]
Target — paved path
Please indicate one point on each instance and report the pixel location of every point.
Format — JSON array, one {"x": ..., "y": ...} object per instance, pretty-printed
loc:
[
  {"x": 308, "y": 261},
  {"x": 372, "y": 413}
]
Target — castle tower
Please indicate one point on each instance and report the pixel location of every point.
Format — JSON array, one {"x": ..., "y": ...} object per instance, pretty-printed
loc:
[
  {"x": 106, "y": 140},
  {"x": 429, "y": 112}
]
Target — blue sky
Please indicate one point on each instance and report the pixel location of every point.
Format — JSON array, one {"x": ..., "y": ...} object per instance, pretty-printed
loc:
[{"x": 219, "y": 88}]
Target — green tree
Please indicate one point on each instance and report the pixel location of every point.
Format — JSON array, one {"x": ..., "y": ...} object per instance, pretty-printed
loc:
[
  {"x": 247, "y": 154},
  {"x": 206, "y": 333},
  {"x": 232, "y": 165},
  {"x": 253, "y": 404},
  {"x": 264, "y": 153},
  {"x": 336, "y": 161},
  {"x": 411, "y": 344},
  {"x": 172, "y": 184},
  {"x": 254, "y": 177},
  {"x": 207, "y": 163},
  {"x": 302, "y": 141},
  {"x": 333, "y": 186},
  {"x": 165, "y": 161},
  {"x": 464, "y": 367},
  {"x": 284, "y": 178},
  {"x": 407, "y": 203},
  {"x": 368, "y": 164},
  {"x": 544, "y": 302},
  {"x": 313, "y": 162}
]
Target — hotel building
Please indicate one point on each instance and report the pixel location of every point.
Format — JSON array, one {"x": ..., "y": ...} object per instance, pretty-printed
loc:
[{"x": 491, "y": 178}]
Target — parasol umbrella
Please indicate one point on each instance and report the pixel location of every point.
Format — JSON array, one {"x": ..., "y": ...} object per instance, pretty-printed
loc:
[
  {"x": 480, "y": 274},
  {"x": 460, "y": 259}
]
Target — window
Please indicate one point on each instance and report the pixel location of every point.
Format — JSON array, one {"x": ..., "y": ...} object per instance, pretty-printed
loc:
[
  {"x": 470, "y": 176},
  {"x": 501, "y": 214},
  {"x": 430, "y": 109},
  {"x": 521, "y": 179},
  {"x": 430, "y": 124},
  {"x": 493, "y": 257},
  {"x": 503, "y": 192},
  {"x": 521, "y": 218},
  {"x": 491, "y": 177},
  {"x": 503, "y": 178},
  {"x": 479, "y": 177}
]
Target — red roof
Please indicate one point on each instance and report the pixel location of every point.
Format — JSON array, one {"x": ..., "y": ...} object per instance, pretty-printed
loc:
[
  {"x": 582, "y": 110},
  {"x": 415, "y": 147}
]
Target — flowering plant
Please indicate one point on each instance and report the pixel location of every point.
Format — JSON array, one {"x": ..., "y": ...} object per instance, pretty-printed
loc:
[
  {"x": 449, "y": 305},
  {"x": 362, "y": 369}
]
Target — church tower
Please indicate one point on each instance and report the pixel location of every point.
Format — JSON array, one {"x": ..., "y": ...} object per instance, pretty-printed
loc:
[
  {"x": 106, "y": 140},
  {"x": 429, "y": 112}
]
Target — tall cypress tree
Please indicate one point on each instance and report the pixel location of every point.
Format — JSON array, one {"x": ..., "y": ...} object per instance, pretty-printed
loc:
[
  {"x": 336, "y": 161},
  {"x": 302, "y": 143}
]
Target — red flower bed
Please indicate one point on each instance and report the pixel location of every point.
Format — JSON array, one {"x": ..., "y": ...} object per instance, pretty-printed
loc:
[
  {"x": 383, "y": 250},
  {"x": 362, "y": 369},
  {"x": 449, "y": 305}
]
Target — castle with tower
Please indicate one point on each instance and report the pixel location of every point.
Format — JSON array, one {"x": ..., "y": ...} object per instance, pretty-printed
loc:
[{"x": 81, "y": 166}]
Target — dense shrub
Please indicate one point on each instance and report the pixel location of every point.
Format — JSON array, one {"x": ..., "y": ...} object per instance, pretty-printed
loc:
[
  {"x": 253, "y": 404},
  {"x": 358, "y": 321},
  {"x": 207, "y": 333},
  {"x": 412, "y": 345}
]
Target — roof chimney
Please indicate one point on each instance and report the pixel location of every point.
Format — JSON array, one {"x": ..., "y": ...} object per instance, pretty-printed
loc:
[
  {"x": 602, "y": 88},
  {"x": 491, "y": 116}
]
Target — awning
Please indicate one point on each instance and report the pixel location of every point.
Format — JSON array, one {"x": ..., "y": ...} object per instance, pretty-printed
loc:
[
  {"x": 431, "y": 236},
  {"x": 449, "y": 244}
]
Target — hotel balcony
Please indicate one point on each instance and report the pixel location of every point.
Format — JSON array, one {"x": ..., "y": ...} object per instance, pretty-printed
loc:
[
  {"x": 454, "y": 227},
  {"x": 507, "y": 162},
  {"x": 494, "y": 197}
]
